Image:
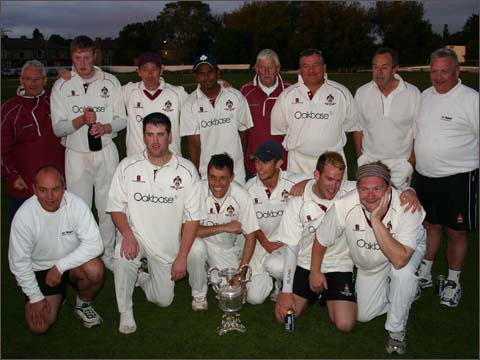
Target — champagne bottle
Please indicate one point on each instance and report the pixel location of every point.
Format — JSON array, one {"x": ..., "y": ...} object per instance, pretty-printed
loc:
[{"x": 94, "y": 144}]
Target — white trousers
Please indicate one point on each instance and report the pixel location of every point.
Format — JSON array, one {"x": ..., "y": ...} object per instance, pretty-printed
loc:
[
  {"x": 83, "y": 173},
  {"x": 260, "y": 285},
  {"x": 389, "y": 291},
  {"x": 159, "y": 286},
  {"x": 401, "y": 170},
  {"x": 305, "y": 164}
]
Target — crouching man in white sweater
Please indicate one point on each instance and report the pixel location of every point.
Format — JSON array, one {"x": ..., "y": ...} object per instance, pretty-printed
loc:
[{"x": 54, "y": 240}]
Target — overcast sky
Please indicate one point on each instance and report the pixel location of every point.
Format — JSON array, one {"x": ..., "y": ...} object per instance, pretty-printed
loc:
[{"x": 107, "y": 18}]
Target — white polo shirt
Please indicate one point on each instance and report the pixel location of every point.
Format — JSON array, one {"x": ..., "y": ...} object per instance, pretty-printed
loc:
[
  {"x": 169, "y": 102},
  {"x": 39, "y": 239},
  {"x": 217, "y": 126},
  {"x": 157, "y": 200},
  {"x": 235, "y": 205},
  {"x": 301, "y": 218},
  {"x": 387, "y": 122},
  {"x": 347, "y": 217},
  {"x": 446, "y": 140},
  {"x": 312, "y": 127},
  {"x": 269, "y": 206},
  {"x": 69, "y": 99}
]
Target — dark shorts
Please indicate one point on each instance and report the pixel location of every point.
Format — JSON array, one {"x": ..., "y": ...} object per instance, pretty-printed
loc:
[
  {"x": 340, "y": 286},
  {"x": 450, "y": 201},
  {"x": 60, "y": 289}
]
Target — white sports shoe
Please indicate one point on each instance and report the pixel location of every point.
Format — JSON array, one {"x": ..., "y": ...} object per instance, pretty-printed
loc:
[
  {"x": 87, "y": 314},
  {"x": 451, "y": 294},
  {"x": 127, "y": 323},
  {"x": 199, "y": 303},
  {"x": 425, "y": 281},
  {"x": 397, "y": 342},
  {"x": 275, "y": 291}
]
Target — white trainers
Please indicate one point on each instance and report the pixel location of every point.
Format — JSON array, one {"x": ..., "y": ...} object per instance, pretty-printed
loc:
[
  {"x": 199, "y": 303},
  {"x": 276, "y": 290},
  {"x": 451, "y": 294},
  {"x": 425, "y": 281},
  {"x": 127, "y": 323},
  {"x": 87, "y": 314},
  {"x": 418, "y": 292},
  {"x": 397, "y": 342}
]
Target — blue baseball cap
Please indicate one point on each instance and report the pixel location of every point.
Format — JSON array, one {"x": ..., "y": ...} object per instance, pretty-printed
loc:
[
  {"x": 205, "y": 59},
  {"x": 267, "y": 151}
]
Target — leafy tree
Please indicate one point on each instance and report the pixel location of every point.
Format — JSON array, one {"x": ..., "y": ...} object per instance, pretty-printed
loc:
[
  {"x": 401, "y": 25},
  {"x": 133, "y": 40},
  {"x": 57, "y": 39},
  {"x": 446, "y": 33},
  {"x": 188, "y": 25},
  {"x": 37, "y": 35}
]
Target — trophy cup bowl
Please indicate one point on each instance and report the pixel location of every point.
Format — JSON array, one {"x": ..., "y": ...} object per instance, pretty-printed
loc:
[{"x": 230, "y": 296}]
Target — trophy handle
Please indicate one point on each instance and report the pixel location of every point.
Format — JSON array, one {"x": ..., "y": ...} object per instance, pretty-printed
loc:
[
  {"x": 215, "y": 285},
  {"x": 248, "y": 274}
]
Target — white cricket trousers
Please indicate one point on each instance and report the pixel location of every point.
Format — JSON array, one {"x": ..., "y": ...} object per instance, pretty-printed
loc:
[
  {"x": 258, "y": 288},
  {"x": 304, "y": 164},
  {"x": 83, "y": 173},
  {"x": 389, "y": 291},
  {"x": 159, "y": 286},
  {"x": 401, "y": 170}
]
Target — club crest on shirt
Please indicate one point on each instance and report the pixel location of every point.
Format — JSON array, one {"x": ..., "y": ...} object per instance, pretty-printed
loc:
[
  {"x": 330, "y": 100},
  {"x": 284, "y": 195},
  {"x": 138, "y": 179},
  {"x": 177, "y": 183},
  {"x": 73, "y": 94},
  {"x": 230, "y": 211},
  {"x": 168, "y": 106},
  {"x": 105, "y": 93},
  {"x": 138, "y": 105},
  {"x": 346, "y": 291},
  {"x": 229, "y": 105}
]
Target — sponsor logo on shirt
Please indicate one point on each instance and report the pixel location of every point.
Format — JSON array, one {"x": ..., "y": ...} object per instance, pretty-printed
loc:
[
  {"x": 138, "y": 179},
  {"x": 81, "y": 109},
  {"x": 215, "y": 122},
  {"x": 361, "y": 243},
  {"x": 105, "y": 93},
  {"x": 312, "y": 229},
  {"x": 177, "y": 183},
  {"x": 310, "y": 115},
  {"x": 330, "y": 100},
  {"x": 229, "y": 105},
  {"x": 269, "y": 214},
  {"x": 168, "y": 106},
  {"x": 153, "y": 198},
  {"x": 139, "y": 118},
  {"x": 446, "y": 118}
]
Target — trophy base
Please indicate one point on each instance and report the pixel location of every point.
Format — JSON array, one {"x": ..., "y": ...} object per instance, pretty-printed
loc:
[{"x": 231, "y": 322}]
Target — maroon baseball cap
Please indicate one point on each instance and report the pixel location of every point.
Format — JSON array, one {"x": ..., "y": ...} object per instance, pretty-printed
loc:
[{"x": 151, "y": 57}]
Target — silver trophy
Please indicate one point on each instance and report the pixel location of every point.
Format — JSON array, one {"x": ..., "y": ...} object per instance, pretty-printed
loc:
[{"x": 230, "y": 296}]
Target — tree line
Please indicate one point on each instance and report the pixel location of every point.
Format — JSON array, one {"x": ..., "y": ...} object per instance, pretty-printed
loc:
[{"x": 346, "y": 32}]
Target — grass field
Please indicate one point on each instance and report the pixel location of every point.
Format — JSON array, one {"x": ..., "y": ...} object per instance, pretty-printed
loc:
[{"x": 177, "y": 332}]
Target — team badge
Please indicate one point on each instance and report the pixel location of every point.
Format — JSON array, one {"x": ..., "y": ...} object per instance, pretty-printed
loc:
[
  {"x": 105, "y": 93},
  {"x": 346, "y": 291},
  {"x": 229, "y": 105},
  {"x": 177, "y": 183},
  {"x": 460, "y": 219},
  {"x": 138, "y": 105},
  {"x": 230, "y": 211},
  {"x": 330, "y": 100},
  {"x": 168, "y": 106},
  {"x": 138, "y": 179},
  {"x": 284, "y": 195}
]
